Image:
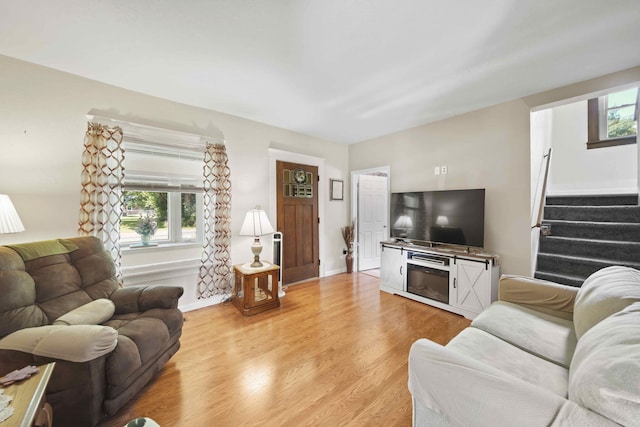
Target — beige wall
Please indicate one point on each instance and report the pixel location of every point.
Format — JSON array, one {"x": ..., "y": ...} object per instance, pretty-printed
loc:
[
  {"x": 576, "y": 170},
  {"x": 42, "y": 117},
  {"x": 487, "y": 149},
  {"x": 584, "y": 90},
  {"x": 43, "y": 120}
]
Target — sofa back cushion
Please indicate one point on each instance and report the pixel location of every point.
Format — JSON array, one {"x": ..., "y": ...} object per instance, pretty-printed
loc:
[
  {"x": 604, "y": 293},
  {"x": 17, "y": 295},
  {"x": 605, "y": 371},
  {"x": 41, "y": 281}
]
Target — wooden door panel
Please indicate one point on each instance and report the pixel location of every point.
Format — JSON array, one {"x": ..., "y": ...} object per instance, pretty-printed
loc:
[
  {"x": 297, "y": 219},
  {"x": 289, "y": 248},
  {"x": 305, "y": 247}
]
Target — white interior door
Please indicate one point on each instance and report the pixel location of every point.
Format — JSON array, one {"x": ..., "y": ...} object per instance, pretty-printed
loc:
[{"x": 372, "y": 219}]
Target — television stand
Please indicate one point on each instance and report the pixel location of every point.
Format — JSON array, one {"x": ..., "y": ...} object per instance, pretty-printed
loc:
[{"x": 458, "y": 280}]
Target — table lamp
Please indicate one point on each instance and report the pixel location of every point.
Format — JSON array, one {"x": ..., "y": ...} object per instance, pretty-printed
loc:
[
  {"x": 256, "y": 224},
  {"x": 404, "y": 224},
  {"x": 442, "y": 220},
  {"x": 9, "y": 219}
]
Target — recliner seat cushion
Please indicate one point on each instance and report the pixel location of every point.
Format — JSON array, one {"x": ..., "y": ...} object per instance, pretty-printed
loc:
[
  {"x": 543, "y": 335},
  {"x": 140, "y": 335},
  {"x": 605, "y": 292}
]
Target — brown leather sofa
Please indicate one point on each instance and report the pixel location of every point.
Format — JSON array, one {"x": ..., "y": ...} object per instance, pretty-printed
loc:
[{"x": 60, "y": 301}]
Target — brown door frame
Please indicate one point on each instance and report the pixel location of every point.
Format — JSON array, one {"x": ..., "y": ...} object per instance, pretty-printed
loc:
[{"x": 287, "y": 156}]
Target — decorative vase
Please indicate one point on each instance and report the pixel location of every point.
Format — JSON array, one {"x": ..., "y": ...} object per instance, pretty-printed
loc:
[
  {"x": 349, "y": 260},
  {"x": 145, "y": 239}
]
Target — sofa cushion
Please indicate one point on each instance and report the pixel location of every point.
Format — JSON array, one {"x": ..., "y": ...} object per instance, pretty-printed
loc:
[
  {"x": 92, "y": 313},
  {"x": 604, "y": 293},
  {"x": 605, "y": 372},
  {"x": 542, "y": 335},
  {"x": 471, "y": 393},
  {"x": 484, "y": 347}
]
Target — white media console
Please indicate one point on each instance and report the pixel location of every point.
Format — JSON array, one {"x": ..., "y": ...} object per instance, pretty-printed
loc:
[{"x": 463, "y": 282}]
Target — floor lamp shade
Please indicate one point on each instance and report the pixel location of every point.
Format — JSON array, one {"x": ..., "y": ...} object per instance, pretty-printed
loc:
[
  {"x": 256, "y": 224},
  {"x": 9, "y": 219}
]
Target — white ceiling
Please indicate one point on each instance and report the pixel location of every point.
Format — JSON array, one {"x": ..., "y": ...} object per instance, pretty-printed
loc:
[{"x": 342, "y": 70}]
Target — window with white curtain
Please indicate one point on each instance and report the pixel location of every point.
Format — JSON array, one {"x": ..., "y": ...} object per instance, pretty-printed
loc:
[{"x": 163, "y": 180}]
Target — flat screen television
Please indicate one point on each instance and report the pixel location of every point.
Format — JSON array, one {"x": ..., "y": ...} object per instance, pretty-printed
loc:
[{"x": 450, "y": 217}]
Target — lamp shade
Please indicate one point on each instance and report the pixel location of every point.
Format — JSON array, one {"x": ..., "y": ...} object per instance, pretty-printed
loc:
[
  {"x": 9, "y": 219},
  {"x": 442, "y": 220},
  {"x": 256, "y": 223},
  {"x": 403, "y": 222}
]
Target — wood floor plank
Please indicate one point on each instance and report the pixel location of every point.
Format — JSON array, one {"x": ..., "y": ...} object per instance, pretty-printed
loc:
[{"x": 334, "y": 353}]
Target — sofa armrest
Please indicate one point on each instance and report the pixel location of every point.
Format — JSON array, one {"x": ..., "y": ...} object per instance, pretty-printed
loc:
[
  {"x": 75, "y": 343},
  {"x": 136, "y": 299},
  {"x": 540, "y": 295},
  {"x": 471, "y": 393}
]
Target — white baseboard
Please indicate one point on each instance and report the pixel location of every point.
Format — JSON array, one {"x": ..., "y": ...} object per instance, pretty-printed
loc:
[
  {"x": 595, "y": 192},
  {"x": 334, "y": 272},
  {"x": 214, "y": 300}
]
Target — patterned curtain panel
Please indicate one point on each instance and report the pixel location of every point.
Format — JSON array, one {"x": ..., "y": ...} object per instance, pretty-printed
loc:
[
  {"x": 215, "y": 270},
  {"x": 102, "y": 181}
]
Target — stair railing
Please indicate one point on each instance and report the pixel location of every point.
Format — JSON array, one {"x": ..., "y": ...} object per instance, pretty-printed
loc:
[{"x": 546, "y": 158}]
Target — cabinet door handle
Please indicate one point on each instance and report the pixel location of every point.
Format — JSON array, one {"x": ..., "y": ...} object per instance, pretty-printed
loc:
[
  {"x": 454, "y": 283},
  {"x": 401, "y": 270}
]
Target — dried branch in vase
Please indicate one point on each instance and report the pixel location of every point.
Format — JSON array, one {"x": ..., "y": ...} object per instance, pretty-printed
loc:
[{"x": 348, "y": 234}]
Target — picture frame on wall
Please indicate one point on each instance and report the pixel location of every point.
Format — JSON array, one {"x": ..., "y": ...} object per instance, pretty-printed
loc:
[{"x": 336, "y": 189}]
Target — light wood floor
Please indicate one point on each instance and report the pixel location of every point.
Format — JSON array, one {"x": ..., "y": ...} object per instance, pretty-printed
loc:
[{"x": 334, "y": 354}]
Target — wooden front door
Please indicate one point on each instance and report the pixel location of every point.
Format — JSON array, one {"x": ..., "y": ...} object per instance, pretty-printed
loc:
[{"x": 297, "y": 204}]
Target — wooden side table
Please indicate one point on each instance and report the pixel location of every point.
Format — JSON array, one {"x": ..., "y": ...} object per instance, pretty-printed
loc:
[
  {"x": 255, "y": 289},
  {"x": 30, "y": 406}
]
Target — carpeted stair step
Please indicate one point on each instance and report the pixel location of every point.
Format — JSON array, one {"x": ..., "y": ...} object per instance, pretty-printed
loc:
[
  {"x": 583, "y": 234},
  {"x": 576, "y": 266},
  {"x": 618, "y": 231},
  {"x": 560, "y": 278},
  {"x": 630, "y": 214},
  {"x": 607, "y": 200},
  {"x": 589, "y": 248}
]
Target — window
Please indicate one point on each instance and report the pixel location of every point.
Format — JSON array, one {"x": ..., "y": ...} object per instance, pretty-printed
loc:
[
  {"x": 164, "y": 182},
  {"x": 612, "y": 119},
  {"x": 177, "y": 215}
]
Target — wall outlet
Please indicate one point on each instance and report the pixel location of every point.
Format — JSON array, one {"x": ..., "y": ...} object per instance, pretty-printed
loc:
[
  {"x": 444, "y": 170},
  {"x": 436, "y": 171}
]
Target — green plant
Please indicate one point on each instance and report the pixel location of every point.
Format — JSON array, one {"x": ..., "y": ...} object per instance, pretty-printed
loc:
[{"x": 146, "y": 226}]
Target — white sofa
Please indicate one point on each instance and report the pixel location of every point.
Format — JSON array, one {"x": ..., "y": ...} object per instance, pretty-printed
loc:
[{"x": 543, "y": 355}]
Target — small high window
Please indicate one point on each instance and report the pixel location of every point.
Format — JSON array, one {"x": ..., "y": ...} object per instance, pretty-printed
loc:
[{"x": 612, "y": 119}]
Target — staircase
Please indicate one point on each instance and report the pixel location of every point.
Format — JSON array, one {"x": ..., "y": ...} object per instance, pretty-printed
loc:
[{"x": 582, "y": 234}]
